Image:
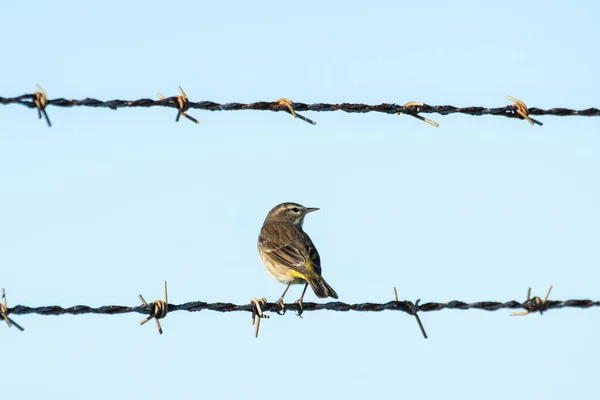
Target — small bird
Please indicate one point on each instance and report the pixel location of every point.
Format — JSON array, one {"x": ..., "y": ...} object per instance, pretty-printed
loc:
[{"x": 288, "y": 254}]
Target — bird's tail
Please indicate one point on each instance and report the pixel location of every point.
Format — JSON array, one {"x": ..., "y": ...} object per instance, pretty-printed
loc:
[{"x": 322, "y": 288}]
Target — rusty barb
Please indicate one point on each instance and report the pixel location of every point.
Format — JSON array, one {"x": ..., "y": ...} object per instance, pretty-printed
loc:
[
  {"x": 522, "y": 110},
  {"x": 288, "y": 105},
  {"x": 417, "y": 104},
  {"x": 257, "y": 313},
  {"x": 40, "y": 100},
  {"x": 412, "y": 309},
  {"x": 183, "y": 104},
  {"x": 158, "y": 309},
  {"x": 4, "y": 314},
  {"x": 535, "y": 304}
]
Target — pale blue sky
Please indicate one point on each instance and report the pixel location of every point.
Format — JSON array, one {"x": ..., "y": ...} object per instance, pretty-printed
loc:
[{"x": 107, "y": 204}]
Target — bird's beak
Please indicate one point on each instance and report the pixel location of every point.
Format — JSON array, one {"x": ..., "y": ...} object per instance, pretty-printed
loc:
[{"x": 311, "y": 209}]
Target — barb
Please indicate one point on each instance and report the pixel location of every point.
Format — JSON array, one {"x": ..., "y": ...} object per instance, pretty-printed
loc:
[
  {"x": 535, "y": 304},
  {"x": 290, "y": 108},
  {"x": 4, "y": 311},
  {"x": 411, "y": 108},
  {"x": 41, "y": 101},
  {"x": 522, "y": 110},
  {"x": 257, "y": 313},
  {"x": 413, "y": 309},
  {"x": 183, "y": 104},
  {"x": 158, "y": 309},
  {"x": 417, "y": 107}
]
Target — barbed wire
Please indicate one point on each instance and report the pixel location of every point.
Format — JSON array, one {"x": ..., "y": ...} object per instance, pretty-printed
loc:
[
  {"x": 181, "y": 102},
  {"x": 306, "y": 306},
  {"x": 159, "y": 308}
]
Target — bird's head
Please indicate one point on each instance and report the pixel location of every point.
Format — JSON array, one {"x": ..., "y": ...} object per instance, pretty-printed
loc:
[{"x": 290, "y": 212}]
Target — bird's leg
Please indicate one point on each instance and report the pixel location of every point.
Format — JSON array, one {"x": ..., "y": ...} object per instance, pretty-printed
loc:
[
  {"x": 280, "y": 301},
  {"x": 299, "y": 301}
]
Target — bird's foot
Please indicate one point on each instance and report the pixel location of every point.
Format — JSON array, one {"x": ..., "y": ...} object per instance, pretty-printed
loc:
[
  {"x": 300, "y": 309},
  {"x": 282, "y": 305}
]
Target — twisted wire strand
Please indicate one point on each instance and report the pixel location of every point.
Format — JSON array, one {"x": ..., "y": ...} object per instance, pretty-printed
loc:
[
  {"x": 509, "y": 111},
  {"x": 332, "y": 306}
]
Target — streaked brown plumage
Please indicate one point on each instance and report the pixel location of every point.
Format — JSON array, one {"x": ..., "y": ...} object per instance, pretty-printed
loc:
[{"x": 287, "y": 252}]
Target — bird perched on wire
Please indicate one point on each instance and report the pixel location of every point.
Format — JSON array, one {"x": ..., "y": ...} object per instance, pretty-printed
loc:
[{"x": 288, "y": 254}]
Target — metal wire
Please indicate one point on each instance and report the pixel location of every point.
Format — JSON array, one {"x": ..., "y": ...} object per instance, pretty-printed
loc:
[
  {"x": 510, "y": 111},
  {"x": 158, "y": 309},
  {"x": 307, "y": 306}
]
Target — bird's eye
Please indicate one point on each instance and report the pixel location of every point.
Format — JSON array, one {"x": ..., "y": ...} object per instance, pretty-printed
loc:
[{"x": 295, "y": 209}]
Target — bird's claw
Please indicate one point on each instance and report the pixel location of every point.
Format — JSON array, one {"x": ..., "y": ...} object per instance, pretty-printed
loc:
[
  {"x": 282, "y": 305},
  {"x": 300, "y": 309}
]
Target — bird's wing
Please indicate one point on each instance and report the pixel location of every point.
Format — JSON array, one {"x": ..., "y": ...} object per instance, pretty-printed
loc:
[
  {"x": 311, "y": 253},
  {"x": 297, "y": 253}
]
